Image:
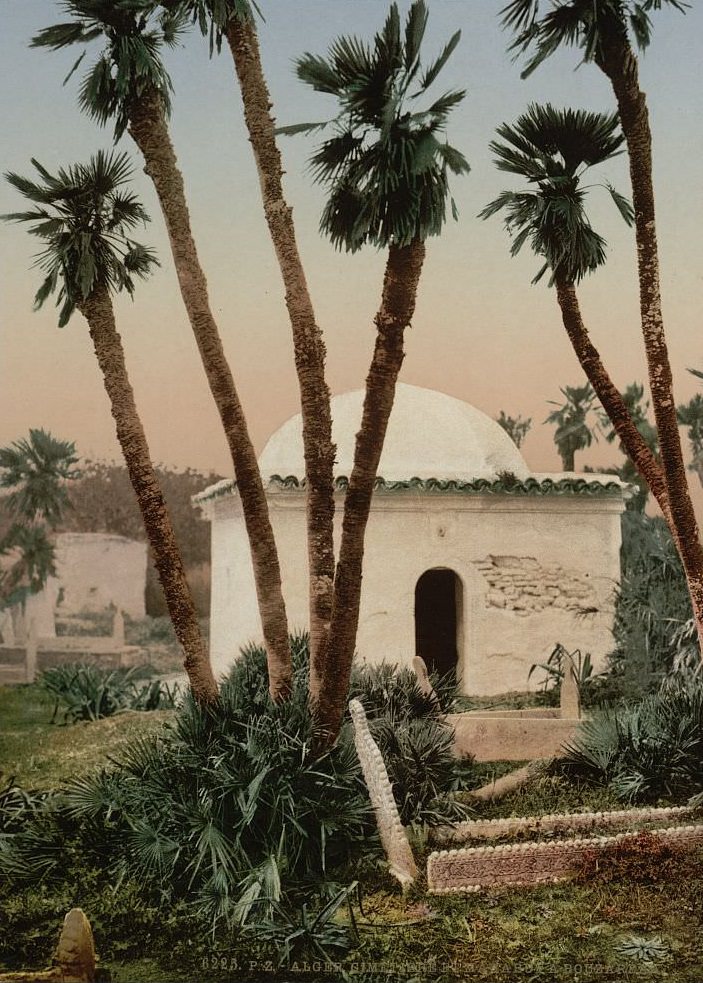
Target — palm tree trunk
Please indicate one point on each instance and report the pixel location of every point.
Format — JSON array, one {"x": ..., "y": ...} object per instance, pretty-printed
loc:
[
  {"x": 147, "y": 125},
  {"x": 97, "y": 310},
  {"x": 568, "y": 461},
  {"x": 611, "y": 400},
  {"x": 619, "y": 63},
  {"x": 400, "y": 283},
  {"x": 308, "y": 345}
]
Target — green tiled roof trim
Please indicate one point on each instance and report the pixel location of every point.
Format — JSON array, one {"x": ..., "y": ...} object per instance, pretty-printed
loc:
[{"x": 479, "y": 486}]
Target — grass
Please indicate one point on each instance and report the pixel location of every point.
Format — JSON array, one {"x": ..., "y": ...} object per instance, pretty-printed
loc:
[
  {"x": 585, "y": 932},
  {"x": 38, "y": 754}
]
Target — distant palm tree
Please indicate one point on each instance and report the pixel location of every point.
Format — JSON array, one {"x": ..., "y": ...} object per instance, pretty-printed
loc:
[
  {"x": 386, "y": 168},
  {"x": 34, "y": 471},
  {"x": 515, "y": 427},
  {"x": 129, "y": 84},
  {"x": 638, "y": 407},
  {"x": 607, "y": 33},
  {"x": 552, "y": 149},
  {"x": 573, "y": 431},
  {"x": 691, "y": 415},
  {"x": 85, "y": 217}
]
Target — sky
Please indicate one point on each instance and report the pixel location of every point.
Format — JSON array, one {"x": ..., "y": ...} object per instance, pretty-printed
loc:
[{"x": 481, "y": 331}]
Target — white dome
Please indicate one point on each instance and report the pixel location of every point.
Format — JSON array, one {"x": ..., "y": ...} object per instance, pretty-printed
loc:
[{"x": 430, "y": 435}]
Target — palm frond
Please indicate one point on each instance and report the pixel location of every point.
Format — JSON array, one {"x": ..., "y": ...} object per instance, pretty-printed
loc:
[
  {"x": 386, "y": 167},
  {"x": 436, "y": 67},
  {"x": 85, "y": 226},
  {"x": 551, "y": 149}
]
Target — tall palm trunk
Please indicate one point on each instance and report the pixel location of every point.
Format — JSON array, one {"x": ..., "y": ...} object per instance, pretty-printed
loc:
[
  {"x": 400, "y": 283},
  {"x": 97, "y": 310},
  {"x": 619, "y": 63},
  {"x": 147, "y": 126},
  {"x": 611, "y": 400},
  {"x": 308, "y": 345}
]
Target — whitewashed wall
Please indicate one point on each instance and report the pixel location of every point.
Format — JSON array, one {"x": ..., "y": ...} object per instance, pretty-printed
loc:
[
  {"x": 529, "y": 568},
  {"x": 97, "y": 569}
]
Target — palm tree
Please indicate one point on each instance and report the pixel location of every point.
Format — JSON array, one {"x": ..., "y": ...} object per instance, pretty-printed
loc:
[
  {"x": 386, "y": 170},
  {"x": 234, "y": 20},
  {"x": 638, "y": 407},
  {"x": 34, "y": 472},
  {"x": 84, "y": 217},
  {"x": 603, "y": 29},
  {"x": 515, "y": 427},
  {"x": 551, "y": 149},
  {"x": 129, "y": 84},
  {"x": 691, "y": 415},
  {"x": 573, "y": 431}
]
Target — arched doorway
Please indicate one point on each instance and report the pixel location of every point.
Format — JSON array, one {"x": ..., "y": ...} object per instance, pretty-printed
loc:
[{"x": 438, "y": 617}]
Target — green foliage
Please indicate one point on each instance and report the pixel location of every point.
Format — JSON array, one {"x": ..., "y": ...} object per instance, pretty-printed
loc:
[
  {"x": 648, "y": 751},
  {"x": 638, "y": 407},
  {"x": 423, "y": 770},
  {"x": 690, "y": 415},
  {"x": 230, "y": 810},
  {"x": 416, "y": 743},
  {"x": 298, "y": 934},
  {"x": 554, "y": 668},
  {"x": 573, "y": 431},
  {"x": 84, "y": 218},
  {"x": 88, "y": 692},
  {"x": 386, "y": 165},
  {"x": 551, "y": 148},
  {"x": 653, "y": 626},
  {"x": 393, "y": 691},
  {"x": 585, "y": 24},
  {"x": 129, "y": 66},
  {"x": 35, "y": 470}
]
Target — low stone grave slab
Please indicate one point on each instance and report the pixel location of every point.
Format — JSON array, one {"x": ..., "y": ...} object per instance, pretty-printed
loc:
[
  {"x": 525, "y": 864},
  {"x": 559, "y": 823},
  {"x": 511, "y": 735}
]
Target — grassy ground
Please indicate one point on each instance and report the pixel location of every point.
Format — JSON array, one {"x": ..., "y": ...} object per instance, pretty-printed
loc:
[
  {"x": 622, "y": 924},
  {"x": 38, "y": 754}
]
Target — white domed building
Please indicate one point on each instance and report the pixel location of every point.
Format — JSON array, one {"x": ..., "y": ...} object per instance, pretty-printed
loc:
[{"x": 471, "y": 561}]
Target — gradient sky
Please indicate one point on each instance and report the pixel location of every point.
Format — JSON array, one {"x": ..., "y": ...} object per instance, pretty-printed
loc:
[{"x": 481, "y": 332}]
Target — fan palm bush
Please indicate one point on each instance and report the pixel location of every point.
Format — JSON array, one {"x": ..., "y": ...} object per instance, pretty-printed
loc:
[
  {"x": 389, "y": 690},
  {"x": 228, "y": 809},
  {"x": 88, "y": 692},
  {"x": 653, "y": 622},
  {"x": 232, "y": 810},
  {"x": 649, "y": 751}
]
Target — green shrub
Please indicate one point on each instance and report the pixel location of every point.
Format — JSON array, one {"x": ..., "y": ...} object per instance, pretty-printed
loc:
[
  {"x": 653, "y": 621},
  {"x": 422, "y": 768},
  {"x": 88, "y": 692},
  {"x": 554, "y": 667},
  {"x": 389, "y": 690},
  {"x": 648, "y": 751},
  {"x": 230, "y": 813},
  {"x": 229, "y": 809}
]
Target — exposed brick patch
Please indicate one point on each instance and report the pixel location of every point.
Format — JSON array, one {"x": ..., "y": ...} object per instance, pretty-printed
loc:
[{"x": 524, "y": 585}]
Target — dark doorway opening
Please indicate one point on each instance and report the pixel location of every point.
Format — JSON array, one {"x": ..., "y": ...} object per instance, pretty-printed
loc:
[{"x": 437, "y": 619}]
